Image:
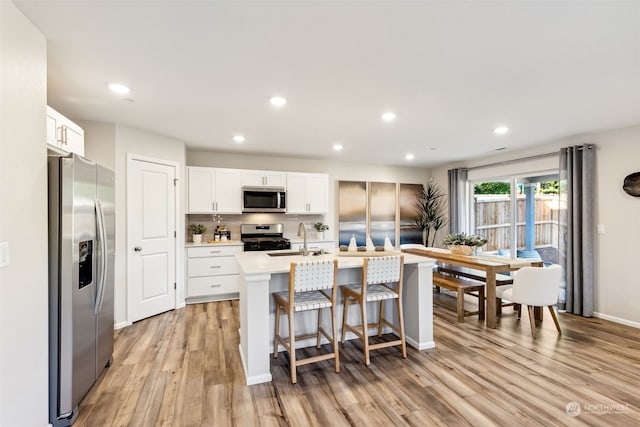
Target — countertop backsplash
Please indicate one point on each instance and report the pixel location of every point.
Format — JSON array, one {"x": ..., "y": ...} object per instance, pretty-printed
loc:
[{"x": 233, "y": 222}]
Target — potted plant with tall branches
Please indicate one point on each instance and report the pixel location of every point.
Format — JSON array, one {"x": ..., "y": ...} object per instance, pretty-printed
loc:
[{"x": 432, "y": 216}]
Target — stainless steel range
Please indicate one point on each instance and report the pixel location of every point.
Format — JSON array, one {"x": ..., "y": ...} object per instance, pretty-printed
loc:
[{"x": 263, "y": 237}]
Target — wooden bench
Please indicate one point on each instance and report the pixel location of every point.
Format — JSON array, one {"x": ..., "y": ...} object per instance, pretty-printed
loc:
[
  {"x": 461, "y": 286},
  {"x": 481, "y": 276}
]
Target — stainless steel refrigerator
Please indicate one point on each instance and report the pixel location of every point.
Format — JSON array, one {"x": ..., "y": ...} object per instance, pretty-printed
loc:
[{"x": 81, "y": 257}]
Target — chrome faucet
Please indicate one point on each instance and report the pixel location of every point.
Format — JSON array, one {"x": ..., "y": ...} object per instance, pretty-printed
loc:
[{"x": 305, "y": 248}]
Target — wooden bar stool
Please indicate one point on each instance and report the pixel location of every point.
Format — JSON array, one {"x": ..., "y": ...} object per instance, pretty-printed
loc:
[
  {"x": 312, "y": 286},
  {"x": 378, "y": 273}
]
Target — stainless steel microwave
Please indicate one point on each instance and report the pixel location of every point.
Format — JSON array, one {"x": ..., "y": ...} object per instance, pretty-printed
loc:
[{"x": 258, "y": 199}]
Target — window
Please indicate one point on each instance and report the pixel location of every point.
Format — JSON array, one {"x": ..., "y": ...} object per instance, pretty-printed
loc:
[{"x": 517, "y": 215}]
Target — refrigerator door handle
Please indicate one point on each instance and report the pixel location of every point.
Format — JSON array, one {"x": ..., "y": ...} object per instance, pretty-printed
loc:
[{"x": 102, "y": 237}]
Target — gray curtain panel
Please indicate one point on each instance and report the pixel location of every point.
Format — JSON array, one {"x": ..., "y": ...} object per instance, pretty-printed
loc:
[
  {"x": 457, "y": 200},
  {"x": 577, "y": 228}
]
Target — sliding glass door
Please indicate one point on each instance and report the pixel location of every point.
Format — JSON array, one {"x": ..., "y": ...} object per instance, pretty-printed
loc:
[
  {"x": 491, "y": 213},
  {"x": 537, "y": 219},
  {"x": 518, "y": 215}
]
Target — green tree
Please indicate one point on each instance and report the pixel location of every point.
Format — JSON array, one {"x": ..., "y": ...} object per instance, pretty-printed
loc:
[
  {"x": 492, "y": 188},
  {"x": 550, "y": 187}
]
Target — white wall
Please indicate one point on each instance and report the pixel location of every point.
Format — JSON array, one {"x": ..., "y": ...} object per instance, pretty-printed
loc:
[
  {"x": 109, "y": 144},
  {"x": 23, "y": 222},
  {"x": 143, "y": 143},
  {"x": 618, "y": 285},
  {"x": 618, "y": 292},
  {"x": 337, "y": 171},
  {"x": 100, "y": 142}
]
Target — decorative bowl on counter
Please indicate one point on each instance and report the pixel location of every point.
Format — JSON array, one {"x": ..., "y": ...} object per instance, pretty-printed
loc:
[{"x": 461, "y": 249}]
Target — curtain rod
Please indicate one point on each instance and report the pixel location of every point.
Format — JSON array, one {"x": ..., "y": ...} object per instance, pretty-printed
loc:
[
  {"x": 506, "y": 162},
  {"x": 539, "y": 156}
]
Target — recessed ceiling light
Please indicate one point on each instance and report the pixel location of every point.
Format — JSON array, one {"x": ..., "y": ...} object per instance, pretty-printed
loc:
[
  {"x": 238, "y": 138},
  {"x": 501, "y": 130},
  {"x": 409, "y": 156},
  {"x": 277, "y": 101},
  {"x": 337, "y": 147},
  {"x": 118, "y": 88},
  {"x": 389, "y": 116}
]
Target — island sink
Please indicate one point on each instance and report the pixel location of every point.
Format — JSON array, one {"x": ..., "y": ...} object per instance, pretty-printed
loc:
[
  {"x": 294, "y": 253},
  {"x": 285, "y": 253}
]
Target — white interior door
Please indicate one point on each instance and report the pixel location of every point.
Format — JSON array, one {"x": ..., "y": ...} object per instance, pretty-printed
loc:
[{"x": 151, "y": 226}]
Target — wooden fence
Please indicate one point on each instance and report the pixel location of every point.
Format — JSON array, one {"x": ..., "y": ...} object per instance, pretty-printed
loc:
[{"x": 493, "y": 220}]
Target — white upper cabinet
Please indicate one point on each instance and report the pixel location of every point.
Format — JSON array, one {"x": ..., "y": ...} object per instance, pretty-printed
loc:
[
  {"x": 64, "y": 135},
  {"x": 307, "y": 193},
  {"x": 251, "y": 178},
  {"x": 228, "y": 191},
  {"x": 213, "y": 190}
]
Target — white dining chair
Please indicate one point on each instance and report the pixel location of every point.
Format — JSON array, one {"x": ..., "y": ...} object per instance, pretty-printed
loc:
[{"x": 534, "y": 287}]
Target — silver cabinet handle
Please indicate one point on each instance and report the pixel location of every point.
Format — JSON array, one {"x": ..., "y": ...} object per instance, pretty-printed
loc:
[
  {"x": 215, "y": 266},
  {"x": 137, "y": 248},
  {"x": 214, "y": 252},
  {"x": 215, "y": 286}
]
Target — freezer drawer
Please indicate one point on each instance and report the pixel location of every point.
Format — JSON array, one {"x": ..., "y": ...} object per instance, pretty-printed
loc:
[
  {"x": 204, "y": 286},
  {"x": 212, "y": 266}
]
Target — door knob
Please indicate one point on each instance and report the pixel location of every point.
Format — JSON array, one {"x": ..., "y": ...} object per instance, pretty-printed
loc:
[{"x": 137, "y": 248}]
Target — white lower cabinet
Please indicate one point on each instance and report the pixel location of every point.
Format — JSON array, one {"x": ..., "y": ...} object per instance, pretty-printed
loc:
[
  {"x": 213, "y": 285},
  {"x": 213, "y": 272}
]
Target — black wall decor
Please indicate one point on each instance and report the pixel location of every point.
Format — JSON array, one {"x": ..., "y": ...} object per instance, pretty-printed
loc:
[{"x": 631, "y": 184}]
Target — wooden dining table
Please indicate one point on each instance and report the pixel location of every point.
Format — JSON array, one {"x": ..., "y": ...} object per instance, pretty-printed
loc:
[{"x": 491, "y": 265}]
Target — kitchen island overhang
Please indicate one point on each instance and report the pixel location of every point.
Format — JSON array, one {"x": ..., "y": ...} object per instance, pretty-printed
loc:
[{"x": 261, "y": 275}]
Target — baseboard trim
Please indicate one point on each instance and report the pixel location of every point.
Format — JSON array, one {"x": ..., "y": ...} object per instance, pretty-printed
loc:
[
  {"x": 617, "y": 320},
  {"x": 420, "y": 345},
  {"x": 122, "y": 325},
  {"x": 256, "y": 379}
]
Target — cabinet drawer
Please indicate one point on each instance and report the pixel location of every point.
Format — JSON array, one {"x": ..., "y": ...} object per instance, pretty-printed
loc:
[
  {"x": 212, "y": 266},
  {"x": 213, "y": 251},
  {"x": 202, "y": 286}
]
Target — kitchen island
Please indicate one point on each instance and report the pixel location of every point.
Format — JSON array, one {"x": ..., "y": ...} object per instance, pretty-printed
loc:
[{"x": 262, "y": 274}]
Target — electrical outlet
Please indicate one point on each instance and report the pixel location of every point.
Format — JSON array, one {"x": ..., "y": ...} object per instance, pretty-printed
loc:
[{"x": 600, "y": 229}]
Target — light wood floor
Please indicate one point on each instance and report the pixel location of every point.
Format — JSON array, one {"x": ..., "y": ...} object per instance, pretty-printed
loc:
[{"x": 182, "y": 368}]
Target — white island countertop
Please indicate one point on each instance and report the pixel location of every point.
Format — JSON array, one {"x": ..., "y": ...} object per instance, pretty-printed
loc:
[
  {"x": 262, "y": 275},
  {"x": 262, "y": 262}
]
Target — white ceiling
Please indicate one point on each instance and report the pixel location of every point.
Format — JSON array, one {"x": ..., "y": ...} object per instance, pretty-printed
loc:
[{"x": 202, "y": 71}]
